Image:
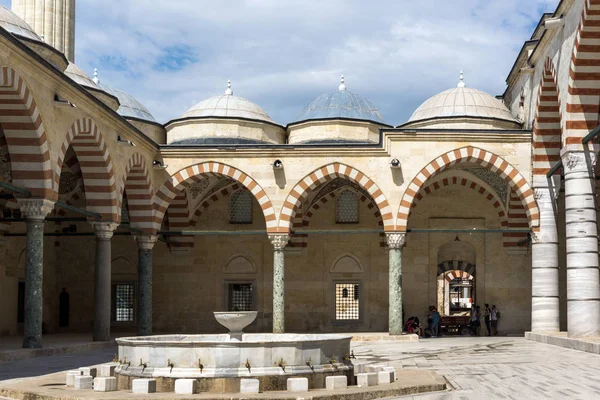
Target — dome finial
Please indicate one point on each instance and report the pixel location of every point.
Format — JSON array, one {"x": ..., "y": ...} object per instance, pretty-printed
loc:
[
  {"x": 96, "y": 80},
  {"x": 228, "y": 92},
  {"x": 342, "y": 86},
  {"x": 461, "y": 83}
]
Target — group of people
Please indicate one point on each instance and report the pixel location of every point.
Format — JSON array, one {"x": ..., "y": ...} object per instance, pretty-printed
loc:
[{"x": 490, "y": 317}]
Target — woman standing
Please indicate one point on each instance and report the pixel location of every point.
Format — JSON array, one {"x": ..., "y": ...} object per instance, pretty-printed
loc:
[{"x": 487, "y": 314}]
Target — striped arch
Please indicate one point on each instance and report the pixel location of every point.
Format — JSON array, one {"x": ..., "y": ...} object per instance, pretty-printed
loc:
[
  {"x": 96, "y": 168},
  {"x": 178, "y": 216},
  {"x": 136, "y": 183},
  {"x": 583, "y": 100},
  {"x": 325, "y": 174},
  {"x": 456, "y": 180},
  {"x": 25, "y": 136},
  {"x": 169, "y": 190},
  {"x": 451, "y": 275},
  {"x": 517, "y": 218},
  {"x": 302, "y": 220},
  {"x": 547, "y": 125},
  {"x": 456, "y": 265},
  {"x": 477, "y": 156}
]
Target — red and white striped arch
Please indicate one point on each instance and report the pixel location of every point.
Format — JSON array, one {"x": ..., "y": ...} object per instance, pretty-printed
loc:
[
  {"x": 471, "y": 155},
  {"x": 326, "y": 174},
  {"x": 96, "y": 168},
  {"x": 583, "y": 100},
  {"x": 451, "y": 275},
  {"x": 178, "y": 215},
  {"x": 547, "y": 129},
  {"x": 25, "y": 136},
  {"x": 169, "y": 190},
  {"x": 213, "y": 198},
  {"x": 136, "y": 184}
]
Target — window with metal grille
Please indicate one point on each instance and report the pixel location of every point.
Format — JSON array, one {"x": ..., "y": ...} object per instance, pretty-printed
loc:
[
  {"x": 347, "y": 301},
  {"x": 240, "y": 207},
  {"x": 123, "y": 302},
  {"x": 240, "y": 297},
  {"x": 346, "y": 208}
]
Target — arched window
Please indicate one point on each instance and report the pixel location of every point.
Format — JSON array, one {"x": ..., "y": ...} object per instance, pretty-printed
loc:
[
  {"x": 240, "y": 207},
  {"x": 346, "y": 208}
]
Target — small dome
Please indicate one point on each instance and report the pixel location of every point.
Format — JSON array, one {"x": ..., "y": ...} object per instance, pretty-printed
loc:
[
  {"x": 228, "y": 106},
  {"x": 462, "y": 102},
  {"x": 341, "y": 104},
  {"x": 77, "y": 74},
  {"x": 15, "y": 25},
  {"x": 129, "y": 106}
]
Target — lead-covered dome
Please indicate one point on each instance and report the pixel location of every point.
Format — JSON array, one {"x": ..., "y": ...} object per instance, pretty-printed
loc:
[
  {"x": 129, "y": 106},
  {"x": 228, "y": 106},
  {"x": 12, "y": 23},
  {"x": 341, "y": 104},
  {"x": 462, "y": 102}
]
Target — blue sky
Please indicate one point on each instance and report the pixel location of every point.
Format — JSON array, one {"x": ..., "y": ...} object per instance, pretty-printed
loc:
[{"x": 282, "y": 54}]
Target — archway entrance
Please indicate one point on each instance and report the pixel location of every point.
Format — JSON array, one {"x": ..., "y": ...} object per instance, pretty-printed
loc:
[{"x": 456, "y": 293}]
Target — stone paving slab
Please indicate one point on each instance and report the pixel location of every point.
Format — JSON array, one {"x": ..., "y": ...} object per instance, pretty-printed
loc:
[
  {"x": 51, "y": 387},
  {"x": 588, "y": 344}
]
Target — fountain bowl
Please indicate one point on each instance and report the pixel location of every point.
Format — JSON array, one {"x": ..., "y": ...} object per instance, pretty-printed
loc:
[{"x": 235, "y": 321}]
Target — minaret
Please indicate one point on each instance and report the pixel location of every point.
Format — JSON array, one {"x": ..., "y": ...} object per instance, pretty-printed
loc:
[{"x": 54, "y": 20}]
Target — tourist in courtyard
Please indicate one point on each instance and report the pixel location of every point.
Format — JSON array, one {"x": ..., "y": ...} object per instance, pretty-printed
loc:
[
  {"x": 435, "y": 321},
  {"x": 487, "y": 315},
  {"x": 495, "y": 314}
]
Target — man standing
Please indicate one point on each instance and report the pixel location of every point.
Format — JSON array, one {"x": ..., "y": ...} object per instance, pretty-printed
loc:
[
  {"x": 487, "y": 313},
  {"x": 494, "y": 317},
  {"x": 435, "y": 321}
]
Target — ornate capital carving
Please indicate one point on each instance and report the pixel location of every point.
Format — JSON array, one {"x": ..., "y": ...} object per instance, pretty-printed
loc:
[
  {"x": 146, "y": 242},
  {"x": 279, "y": 240},
  {"x": 578, "y": 161},
  {"x": 395, "y": 240},
  {"x": 35, "y": 209},
  {"x": 104, "y": 230}
]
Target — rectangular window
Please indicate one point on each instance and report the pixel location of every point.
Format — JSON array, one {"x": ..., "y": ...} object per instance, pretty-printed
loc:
[
  {"x": 123, "y": 302},
  {"x": 347, "y": 301},
  {"x": 240, "y": 297}
]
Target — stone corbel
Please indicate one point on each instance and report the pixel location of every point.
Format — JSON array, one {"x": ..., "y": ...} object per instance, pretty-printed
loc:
[{"x": 146, "y": 242}]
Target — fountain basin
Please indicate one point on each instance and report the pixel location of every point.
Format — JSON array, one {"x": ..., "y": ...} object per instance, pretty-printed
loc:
[
  {"x": 218, "y": 363},
  {"x": 235, "y": 321}
]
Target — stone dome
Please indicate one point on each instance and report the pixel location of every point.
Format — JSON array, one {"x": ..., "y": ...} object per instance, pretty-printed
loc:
[
  {"x": 15, "y": 25},
  {"x": 341, "y": 104},
  {"x": 462, "y": 102},
  {"x": 77, "y": 74},
  {"x": 129, "y": 106},
  {"x": 228, "y": 106}
]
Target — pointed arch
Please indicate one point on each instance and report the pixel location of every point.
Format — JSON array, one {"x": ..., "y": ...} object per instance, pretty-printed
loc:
[
  {"x": 213, "y": 198},
  {"x": 583, "y": 100},
  {"x": 477, "y": 156},
  {"x": 25, "y": 136},
  {"x": 325, "y": 174},
  {"x": 136, "y": 182},
  {"x": 96, "y": 168},
  {"x": 178, "y": 215},
  {"x": 169, "y": 190},
  {"x": 547, "y": 131}
]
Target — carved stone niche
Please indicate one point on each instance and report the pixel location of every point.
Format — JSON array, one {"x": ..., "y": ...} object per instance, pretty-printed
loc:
[
  {"x": 347, "y": 264},
  {"x": 239, "y": 264}
]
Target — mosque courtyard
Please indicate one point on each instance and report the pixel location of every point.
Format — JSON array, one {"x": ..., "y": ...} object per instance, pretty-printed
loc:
[{"x": 473, "y": 368}]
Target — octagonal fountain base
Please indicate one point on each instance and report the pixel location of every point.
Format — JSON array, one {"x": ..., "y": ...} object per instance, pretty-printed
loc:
[{"x": 218, "y": 362}]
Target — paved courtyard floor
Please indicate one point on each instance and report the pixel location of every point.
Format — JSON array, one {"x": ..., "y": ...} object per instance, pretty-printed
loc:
[
  {"x": 494, "y": 368},
  {"x": 475, "y": 368}
]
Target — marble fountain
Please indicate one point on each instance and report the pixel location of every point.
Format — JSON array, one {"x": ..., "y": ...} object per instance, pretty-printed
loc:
[{"x": 219, "y": 362}]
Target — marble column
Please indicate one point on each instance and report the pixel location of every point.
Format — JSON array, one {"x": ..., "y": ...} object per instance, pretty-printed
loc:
[
  {"x": 395, "y": 242},
  {"x": 279, "y": 242},
  {"x": 144, "y": 310},
  {"x": 102, "y": 293},
  {"x": 35, "y": 211},
  {"x": 583, "y": 276},
  {"x": 545, "y": 308}
]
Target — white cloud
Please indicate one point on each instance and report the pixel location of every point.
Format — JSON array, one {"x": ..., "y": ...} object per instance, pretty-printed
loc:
[{"x": 281, "y": 54}]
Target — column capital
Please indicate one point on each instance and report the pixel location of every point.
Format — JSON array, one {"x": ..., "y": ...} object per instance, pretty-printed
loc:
[
  {"x": 104, "y": 230},
  {"x": 35, "y": 209},
  {"x": 395, "y": 240},
  {"x": 279, "y": 240},
  {"x": 146, "y": 242},
  {"x": 578, "y": 161}
]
